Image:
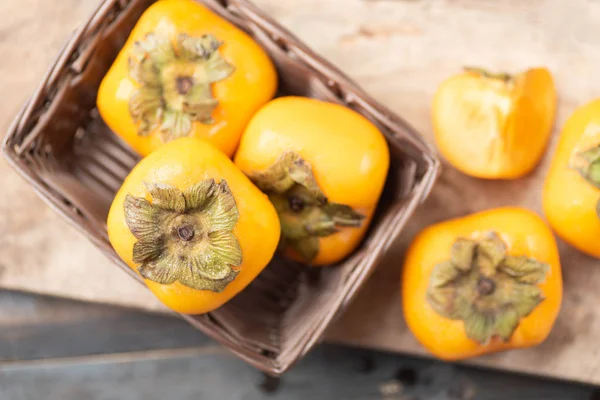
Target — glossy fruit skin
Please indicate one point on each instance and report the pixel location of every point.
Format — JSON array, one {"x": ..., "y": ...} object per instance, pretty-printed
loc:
[
  {"x": 252, "y": 84},
  {"x": 525, "y": 234},
  {"x": 569, "y": 201},
  {"x": 349, "y": 156},
  {"x": 182, "y": 163},
  {"x": 491, "y": 129}
]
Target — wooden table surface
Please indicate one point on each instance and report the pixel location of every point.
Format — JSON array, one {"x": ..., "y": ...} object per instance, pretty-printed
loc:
[
  {"x": 56, "y": 349},
  {"x": 398, "y": 51}
]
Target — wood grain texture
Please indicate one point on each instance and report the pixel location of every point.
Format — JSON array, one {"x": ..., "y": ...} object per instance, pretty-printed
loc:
[
  {"x": 328, "y": 373},
  {"x": 35, "y": 327},
  {"x": 399, "y": 51},
  {"x": 73, "y": 350}
]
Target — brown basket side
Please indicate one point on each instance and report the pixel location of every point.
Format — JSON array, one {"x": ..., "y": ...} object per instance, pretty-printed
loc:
[{"x": 66, "y": 152}]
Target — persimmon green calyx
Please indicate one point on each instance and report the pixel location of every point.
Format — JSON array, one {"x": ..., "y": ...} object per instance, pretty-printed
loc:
[{"x": 186, "y": 236}]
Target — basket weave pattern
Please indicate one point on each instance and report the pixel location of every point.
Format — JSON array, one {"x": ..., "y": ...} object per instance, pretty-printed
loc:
[{"x": 59, "y": 144}]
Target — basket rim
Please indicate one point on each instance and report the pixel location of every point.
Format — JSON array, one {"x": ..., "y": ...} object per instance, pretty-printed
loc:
[{"x": 423, "y": 183}]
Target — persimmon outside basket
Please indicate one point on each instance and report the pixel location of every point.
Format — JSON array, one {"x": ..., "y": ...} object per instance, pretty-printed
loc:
[{"x": 60, "y": 145}]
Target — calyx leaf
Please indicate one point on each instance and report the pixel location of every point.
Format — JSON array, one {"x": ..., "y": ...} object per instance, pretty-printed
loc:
[
  {"x": 304, "y": 211},
  {"x": 174, "y": 82},
  {"x": 587, "y": 163},
  {"x": 525, "y": 269},
  {"x": 186, "y": 236},
  {"x": 444, "y": 273},
  {"x": 486, "y": 288},
  {"x": 502, "y": 76},
  {"x": 490, "y": 252},
  {"x": 463, "y": 252}
]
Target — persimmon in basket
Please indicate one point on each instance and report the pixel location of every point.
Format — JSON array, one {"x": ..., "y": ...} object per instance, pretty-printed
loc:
[
  {"x": 323, "y": 166},
  {"x": 571, "y": 194},
  {"x": 192, "y": 225},
  {"x": 483, "y": 283},
  {"x": 185, "y": 72}
]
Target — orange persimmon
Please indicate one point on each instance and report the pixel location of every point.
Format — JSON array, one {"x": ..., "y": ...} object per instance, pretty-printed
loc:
[
  {"x": 192, "y": 225},
  {"x": 571, "y": 191},
  {"x": 323, "y": 166},
  {"x": 483, "y": 283},
  {"x": 185, "y": 72},
  {"x": 494, "y": 126}
]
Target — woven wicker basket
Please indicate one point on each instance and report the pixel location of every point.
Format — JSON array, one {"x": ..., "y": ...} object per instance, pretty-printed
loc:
[{"x": 76, "y": 164}]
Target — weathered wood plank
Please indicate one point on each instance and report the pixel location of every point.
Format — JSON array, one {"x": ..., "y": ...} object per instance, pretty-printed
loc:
[
  {"x": 39, "y": 327},
  {"x": 65, "y": 349},
  {"x": 329, "y": 372}
]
